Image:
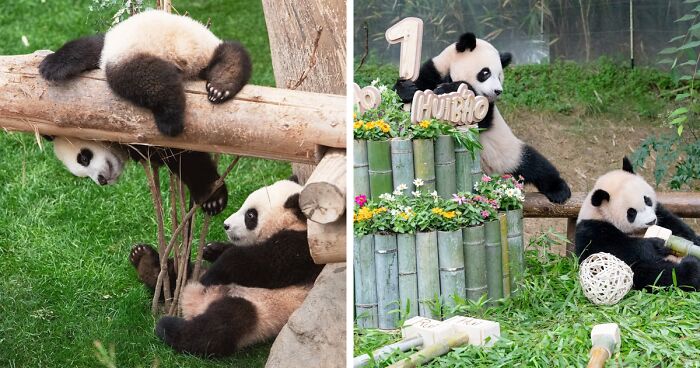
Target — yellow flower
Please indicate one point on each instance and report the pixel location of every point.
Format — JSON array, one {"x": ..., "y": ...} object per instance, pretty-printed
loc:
[
  {"x": 448, "y": 214},
  {"x": 370, "y": 125},
  {"x": 384, "y": 127},
  {"x": 437, "y": 210},
  {"x": 424, "y": 124},
  {"x": 354, "y": 116},
  {"x": 363, "y": 214},
  {"x": 379, "y": 210},
  {"x": 357, "y": 125}
]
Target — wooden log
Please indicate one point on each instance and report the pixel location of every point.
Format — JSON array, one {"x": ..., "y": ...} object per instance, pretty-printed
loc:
[
  {"x": 261, "y": 121},
  {"x": 327, "y": 241},
  {"x": 323, "y": 198}
]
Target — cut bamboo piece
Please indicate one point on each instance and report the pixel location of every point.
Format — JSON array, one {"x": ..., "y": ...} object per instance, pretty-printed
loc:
[
  {"x": 424, "y": 163},
  {"x": 516, "y": 248},
  {"x": 402, "y": 163},
  {"x": 463, "y": 169},
  {"x": 408, "y": 277},
  {"x": 494, "y": 271},
  {"x": 365, "y": 281},
  {"x": 445, "y": 170},
  {"x": 505, "y": 258},
  {"x": 379, "y": 159},
  {"x": 360, "y": 178},
  {"x": 476, "y": 167},
  {"x": 428, "y": 272},
  {"x": 387, "y": 266},
  {"x": 475, "y": 261},
  {"x": 451, "y": 260}
]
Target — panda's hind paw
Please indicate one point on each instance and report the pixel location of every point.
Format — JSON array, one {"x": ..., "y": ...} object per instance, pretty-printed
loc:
[
  {"x": 218, "y": 93},
  {"x": 139, "y": 251},
  {"x": 216, "y": 202}
]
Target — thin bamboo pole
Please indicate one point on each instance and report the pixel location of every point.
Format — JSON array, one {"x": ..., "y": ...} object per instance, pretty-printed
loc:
[
  {"x": 445, "y": 169},
  {"x": 402, "y": 162},
  {"x": 428, "y": 271},
  {"x": 365, "y": 281},
  {"x": 451, "y": 260},
  {"x": 387, "y": 267},
  {"x": 379, "y": 159},
  {"x": 475, "y": 261},
  {"x": 494, "y": 270},
  {"x": 408, "y": 278},
  {"x": 424, "y": 163}
]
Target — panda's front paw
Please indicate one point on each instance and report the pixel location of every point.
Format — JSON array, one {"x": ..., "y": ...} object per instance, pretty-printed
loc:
[
  {"x": 560, "y": 194},
  {"x": 218, "y": 93},
  {"x": 213, "y": 251},
  {"x": 143, "y": 252},
  {"x": 216, "y": 202}
]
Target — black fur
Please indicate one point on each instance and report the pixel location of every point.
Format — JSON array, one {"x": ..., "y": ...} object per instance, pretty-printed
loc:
[
  {"x": 147, "y": 263},
  {"x": 665, "y": 218},
  {"x": 73, "y": 58},
  {"x": 280, "y": 261},
  {"x": 536, "y": 170},
  {"x": 627, "y": 165},
  {"x": 153, "y": 83},
  {"x": 213, "y": 251},
  {"x": 506, "y": 59},
  {"x": 467, "y": 41},
  {"x": 215, "y": 333},
  {"x": 644, "y": 255},
  {"x": 292, "y": 203},
  {"x": 228, "y": 71},
  {"x": 428, "y": 78},
  {"x": 599, "y": 196}
]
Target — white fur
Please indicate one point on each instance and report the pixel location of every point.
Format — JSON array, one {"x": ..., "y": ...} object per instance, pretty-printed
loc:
[
  {"x": 178, "y": 39},
  {"x": 67, "y": 150},
  {"x": 626, "y": 191},
  {"x": 502, "y": 151},
  {"x": 272, "y": 216}
]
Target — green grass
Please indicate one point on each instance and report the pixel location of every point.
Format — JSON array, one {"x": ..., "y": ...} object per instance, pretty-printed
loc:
[
  {"x": 64, "y": 241},
  {"x": 566, "y": 87},
  {"x": 549, "y": 324}
]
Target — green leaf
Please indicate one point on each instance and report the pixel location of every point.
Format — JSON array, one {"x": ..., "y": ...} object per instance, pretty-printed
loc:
[
  {"x": 678, "y": 111},
  {"x": 682, "y": 96},
  {"x": 689, "y": 45},
  {"x": 679, "y": 120},
  {"x": 685, "y": 18},
  {"x": 689, "y": 62},
  {"x": 691, "y": 1},
  {"x": 694, "y": 27},
  {"x": 685, "y": 77},
  {"x": 668, "y": 50},
  {"x": 666, "y": 61},
  {"x": 680, "y": 130},
  {"x": 674, "y": 39}
]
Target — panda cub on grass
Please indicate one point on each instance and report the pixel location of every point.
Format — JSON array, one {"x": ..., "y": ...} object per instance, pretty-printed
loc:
[
  {"x": 620, "y": 206},
  {"x": 478, "y": 64},
  {"x": 147, "y": 57},
  {"x": 254, "y": 283},
  {"x": 103, "y": 162}
]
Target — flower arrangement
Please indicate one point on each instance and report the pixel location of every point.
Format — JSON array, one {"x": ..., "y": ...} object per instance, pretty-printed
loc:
[
  {"x": 377, "y": 130},
  {"x": 505, "y": 189}
]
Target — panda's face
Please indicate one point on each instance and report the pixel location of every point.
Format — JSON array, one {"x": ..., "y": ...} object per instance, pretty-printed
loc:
[
  {"x": 101, "y": 162},
  {"x": 626, "y": 200},
  {"x": 265, "y": 212}
]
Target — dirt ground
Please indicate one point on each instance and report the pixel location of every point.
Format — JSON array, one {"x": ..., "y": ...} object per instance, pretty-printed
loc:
[{"x": 582, "y": 148}]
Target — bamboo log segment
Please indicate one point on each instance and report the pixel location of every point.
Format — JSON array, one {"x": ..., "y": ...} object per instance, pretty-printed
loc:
[
  {"x": 475, "y": 165},
  {"x": 445, "y": 170},
  {"x": 463, "y": 162},
  {"x": 387, "y": 267},
  {"x": 451, "y": 261},
  {"x": 327, "y": 241},
  {"x": 408, "y": 278},
  {"x": 365, "y": 281},
  {"x": 323, "y": 198},
  {"x": 424, "y": 163},
  {"x": 494, "y": 270},
  {"x": 261, "y": 121},
  {"x": 379, "y": 158},
  {"x": 402, "y": 163},
  {"x": 360, "y": 177},
  {"x": 505, "y": 257},
  {"x": 516, "y": 248},
  {"x": 475, "y": 261},
  {"x": 428, "y": 271}
]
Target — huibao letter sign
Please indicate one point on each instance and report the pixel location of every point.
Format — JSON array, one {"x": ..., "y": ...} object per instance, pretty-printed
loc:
[{"x": 460, "y": 108}]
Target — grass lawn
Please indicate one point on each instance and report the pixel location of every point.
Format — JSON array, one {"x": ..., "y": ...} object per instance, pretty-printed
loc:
[
  {"x": 64, "y": 241},
  {"x": 549, "y": 324}
]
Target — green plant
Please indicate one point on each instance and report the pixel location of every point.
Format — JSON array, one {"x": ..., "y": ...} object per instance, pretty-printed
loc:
[
  {"x": 390, "y": 109},
  {"x": 680, "y": 149},
  {"x": 505, "y": 189}
]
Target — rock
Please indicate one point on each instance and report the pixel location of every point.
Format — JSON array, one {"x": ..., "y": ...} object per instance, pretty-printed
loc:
[{"x": 315, "y": 336}]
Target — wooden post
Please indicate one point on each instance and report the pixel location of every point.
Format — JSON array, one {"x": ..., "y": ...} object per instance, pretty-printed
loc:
[{"x": 323, "y": 198}]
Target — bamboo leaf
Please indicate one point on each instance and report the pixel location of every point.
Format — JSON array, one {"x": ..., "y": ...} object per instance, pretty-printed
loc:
[
  {"x": 680, "y": 130},
  {"x": 690, "y": 1},
  {"x": 668, "y": 50},
  {"x": 682, "y": 96},
  {"x": 689, "y": 45},
  {"x": 685, "y": 77},
  {"x": 674, "y": 39},
  {"x": 694, "y": 27},
  {"x": 679, "y": 120},
  {"x": 666, "y": 61},
  {"x": 685, "y": 18},
  {"x": 689, "y": 62},
  {"x": 678, "y": 111}
]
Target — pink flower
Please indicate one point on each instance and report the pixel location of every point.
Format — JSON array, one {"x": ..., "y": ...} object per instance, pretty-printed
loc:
[
  {"x": 486, "y": 178},
  {"x": 361, "y": 200},
  {"x": 485, "y": 214},
  {"x": 506, "y": 176},
  {"x": 519, "y": 185},
  {"x": 459, "y": 199}
]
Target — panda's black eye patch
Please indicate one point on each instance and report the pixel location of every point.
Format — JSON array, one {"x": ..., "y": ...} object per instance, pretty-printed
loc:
[
  {"x": 251, "y": 219},
  {"x": 483, "y": 75},
  {"x": 647, "y": 201},
  {"x": 631, "y": 215},
  {"x": 84, "y": 157}
]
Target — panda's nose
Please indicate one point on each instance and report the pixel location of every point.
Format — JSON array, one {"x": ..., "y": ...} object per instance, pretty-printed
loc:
[
  {"x": 101, "y": 179},
  {"x": 498, "y": 92},
  {"x": 652, "y": 222},
  {"x": 226, "y": 227}
]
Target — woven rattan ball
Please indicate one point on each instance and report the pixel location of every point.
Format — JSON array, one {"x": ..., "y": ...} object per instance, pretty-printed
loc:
[{"x": 605, "y": 279}]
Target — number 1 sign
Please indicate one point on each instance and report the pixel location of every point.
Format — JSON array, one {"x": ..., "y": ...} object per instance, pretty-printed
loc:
[{"x": 408, "y": 32}]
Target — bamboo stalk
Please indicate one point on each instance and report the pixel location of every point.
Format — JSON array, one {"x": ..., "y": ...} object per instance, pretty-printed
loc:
[
  {"x": 154, "y": 185},
  {"x": 365, "y": 281},
  {"x": 387, "y": 268},
  {"x": 431, "y": 352},
  {"x": 360, "y": 179},
  {"x": 505, "y": 258},
  {"x": 445, "y": 169},
  {"x": 424, "y": 163},
  {"x": 494, "y": 270},
  {"x": 516, "y": 248},
  {"x": 402, "y": 162},
  {"x": 379, "y": 159},
  {"x": 451, "y": 260},
  {"x": 428, "y": 271},
  {"x": 475, "y": 165},
  {"x": 200, "y": 249},
  {"x": 463, "y": 169},
  {"x": 475, "y": 261},
  {"x": 408, "y": 278}
]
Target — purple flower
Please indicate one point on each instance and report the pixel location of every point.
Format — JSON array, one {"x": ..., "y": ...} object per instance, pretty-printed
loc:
[
  {"x": 459, "y": 199},
  {"x": 361, "y": 200},
  {"x": 485, "y": 214}
]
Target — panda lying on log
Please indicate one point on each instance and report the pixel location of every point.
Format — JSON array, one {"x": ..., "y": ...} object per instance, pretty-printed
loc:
[
  {"x": 478, "y": 64},
  {"x": 254, "y": 283}
]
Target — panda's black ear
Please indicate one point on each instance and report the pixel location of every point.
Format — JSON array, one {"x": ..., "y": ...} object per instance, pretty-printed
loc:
[
  {"x": 293, "y": 204},
  {"x": 48, "y": 137},
  {"x": 627, "y": 165},
  {"x": 466, "y": 41},
  {"x": 506, "y": 58},
  {"x": 294, "y": 178},
  {"x": 599, "y": 196}
]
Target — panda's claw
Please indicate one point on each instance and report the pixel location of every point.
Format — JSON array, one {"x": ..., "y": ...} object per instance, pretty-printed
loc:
[{"x": 138, "y": 252}]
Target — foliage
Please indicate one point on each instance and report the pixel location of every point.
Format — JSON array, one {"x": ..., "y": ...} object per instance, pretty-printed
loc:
[
  {"x": 680, "y": 149},
  {"x": 548, "y": 324},
  {"x": 371, "y": 130},
  {"x": 506, "y": 190},
  {"x": 390, "y": 109}
]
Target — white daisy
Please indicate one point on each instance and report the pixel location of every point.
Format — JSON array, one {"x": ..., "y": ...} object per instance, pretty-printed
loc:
[
  {"x": 418, "y": 182},
  {"x": 416, "y": 193}
]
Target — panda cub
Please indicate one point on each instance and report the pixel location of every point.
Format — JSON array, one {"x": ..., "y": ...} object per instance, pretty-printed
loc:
[
  {"x": 147, "y": 57},
  {"x": 254, "y": 283},
  {"x": 478, "y": 64},
  {"x": 620, "y": 206},
  {"x": 103, "y": 162}
]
